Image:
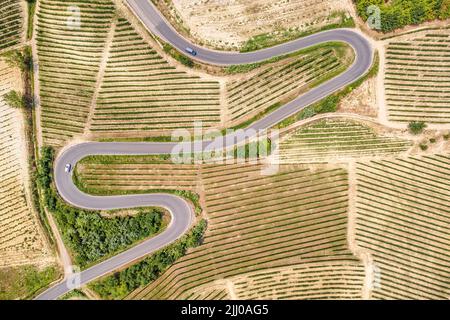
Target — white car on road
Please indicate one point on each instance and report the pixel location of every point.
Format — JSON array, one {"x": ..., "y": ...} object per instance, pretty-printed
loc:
[{"x": 67, "y": 168}]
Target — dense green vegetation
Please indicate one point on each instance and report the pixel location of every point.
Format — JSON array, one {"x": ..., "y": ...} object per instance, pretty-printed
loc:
[
  {"x": 120, "y": 284},
  {"x": 23, "y": 282},
  {"x": 399, "y": 13},
  {"x": 416, "y": 127},
  {"x": 90, "y": 236}
]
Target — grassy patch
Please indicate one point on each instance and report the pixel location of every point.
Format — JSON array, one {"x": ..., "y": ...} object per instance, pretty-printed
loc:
[
  {"x": 31, "y": 11},
  {"x": 174, "y": 53},
  {"x": 24, "y": 282}
]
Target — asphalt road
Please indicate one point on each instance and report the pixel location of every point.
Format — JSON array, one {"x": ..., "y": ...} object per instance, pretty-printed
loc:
[{"x": 181, "y": 211}]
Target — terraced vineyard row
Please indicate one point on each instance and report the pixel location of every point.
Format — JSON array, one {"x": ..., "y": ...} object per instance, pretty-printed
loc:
[
  {"x": 337, "y": 139},
  {"x": 11, "y": 23},
  {"x": 300, "y": 217},
  {"x": 330, "y": 280},
  {"x": 257, "y": 92},
  {"x": 403, "y": 219},
  {"x": 417, "y": 78},
  {"x": 21, "y": 239},
  {"x": 69, "y": 59},
  {"x": 141, "y": 93},
  {"x": 122, "y": 175}
]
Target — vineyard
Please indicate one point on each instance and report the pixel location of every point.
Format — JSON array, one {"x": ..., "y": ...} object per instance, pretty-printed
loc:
[
  {"x": 141, "y": 92},
  {"x": 300, "y": 219},
  {"x": 403, "y": 221},
  {"x": 103, "y": 79},
  {"x": 330, "y": 139},
  {"x": 107, "y": 174},
  {"x": 11, "y": 23},
  {"x": 231, "y": 24},
  {"x": 255, "y": 93},
  {"x": 69, "y": 59},
  {"x": 21, "y": 239},
  {"x": 417, "y": 78}
]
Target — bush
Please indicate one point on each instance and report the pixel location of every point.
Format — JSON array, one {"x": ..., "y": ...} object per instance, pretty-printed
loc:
[
  {"x": 423, "y": 147},
  {"x": 417, "y": 127},
  {"x": 15, "y": 99}
]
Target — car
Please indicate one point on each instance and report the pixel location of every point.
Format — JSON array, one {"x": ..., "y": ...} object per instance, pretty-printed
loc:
[
  {"x": 67, "y": 168},
  {"x": 191, "y": 51}
]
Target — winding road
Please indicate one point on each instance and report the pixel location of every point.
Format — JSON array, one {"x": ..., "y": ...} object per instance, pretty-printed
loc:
[{"x": 182, "y": 213}]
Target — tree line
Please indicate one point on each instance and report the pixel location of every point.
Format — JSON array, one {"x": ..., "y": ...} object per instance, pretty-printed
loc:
[{"x": 396, "y": 14}]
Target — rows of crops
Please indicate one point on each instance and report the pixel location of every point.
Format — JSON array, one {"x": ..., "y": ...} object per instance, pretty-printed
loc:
[
  {"x": 209, "y": 292},
  {"x": 21, "y": 241},
  {"x": 337, "y": 139},
  {"x": 11, "y": 23},
  {"x": 403, "y": 219},
  {"x": 256, "y": 93},
  {"x": 142, "y": 93},
  {"x": 69, "y": 59},
  {"x": 120, "y": 175},
  {"x": 417, "y": 78},
  {"x": 299, "y": 218},
  {"x": 332, "y": 280}
]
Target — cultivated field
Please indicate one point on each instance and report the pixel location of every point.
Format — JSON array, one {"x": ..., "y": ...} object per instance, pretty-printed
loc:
[
  {"x": 21, "y": 238},
  {"x": 418, "y": 76},
  {"x": 403, "y": 220},
  {"x": 11, "y": 23},
  {"x": 336, "y": 139},
  {"x": 142, "y": 94},
  {"x": 228, "y": 24},
  {"x": 136, "y": 173},
  {"x": 69, "y": 60},
  {"x": 252, "y": 94},
  {"x": 299, "y": 220},
  {"x": 104, "y": 80}
]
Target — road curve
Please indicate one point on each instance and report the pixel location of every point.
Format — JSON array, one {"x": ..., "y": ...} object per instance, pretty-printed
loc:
[{"x": 181, "y": 211}]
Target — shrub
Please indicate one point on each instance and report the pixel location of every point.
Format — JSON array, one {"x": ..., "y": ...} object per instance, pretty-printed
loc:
[
  {"x": 15, "y": 99},
  {"x": 417, "y": 127},
  {"x": 423, "y": 147}
]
